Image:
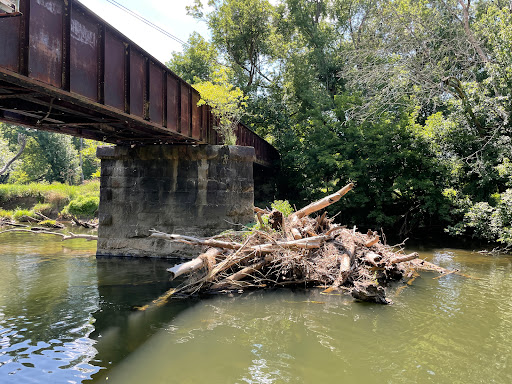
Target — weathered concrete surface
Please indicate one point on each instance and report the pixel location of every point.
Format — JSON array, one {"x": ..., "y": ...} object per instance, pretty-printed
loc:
[{"x": 185, "y": 189}]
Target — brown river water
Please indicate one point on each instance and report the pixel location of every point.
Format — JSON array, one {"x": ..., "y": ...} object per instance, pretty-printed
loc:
[{"x": 67, "y": 317}]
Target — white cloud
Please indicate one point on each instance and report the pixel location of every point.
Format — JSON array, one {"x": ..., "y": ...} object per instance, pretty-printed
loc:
[{"x": 169, "y": 15}]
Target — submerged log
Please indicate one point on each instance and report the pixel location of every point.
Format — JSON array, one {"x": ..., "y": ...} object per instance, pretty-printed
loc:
[
  {"x": 63, "y": 237},
  {"x": 243, "y": 273}
]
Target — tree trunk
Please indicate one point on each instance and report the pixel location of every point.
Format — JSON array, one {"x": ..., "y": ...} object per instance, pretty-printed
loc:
[{"x": 22, "y": 140}]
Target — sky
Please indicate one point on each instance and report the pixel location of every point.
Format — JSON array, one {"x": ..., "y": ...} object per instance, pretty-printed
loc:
[{"x": 169, "y": 15}]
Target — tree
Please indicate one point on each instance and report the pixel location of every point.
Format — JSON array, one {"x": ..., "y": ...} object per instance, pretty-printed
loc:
[
  {"x": 410, "y": 99},
  {"x": 47, "y": 156},
  {"x": 226, "y": 102},
  {"x": 198, "y": 61},
  {"x": 242, "y": 31},
  {"x": 7, "y": 158}
]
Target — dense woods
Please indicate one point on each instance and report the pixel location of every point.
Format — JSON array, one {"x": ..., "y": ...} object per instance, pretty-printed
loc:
[{"x": 410, "y": 100}]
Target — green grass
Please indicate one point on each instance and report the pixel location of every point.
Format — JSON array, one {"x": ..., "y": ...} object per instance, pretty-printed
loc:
[
  {"x": 6, "y": 214},
  {"x": 81, "y": 200},
  {"x": 21, "y": 214},
  {"x": 82, "y": 206},
  {"x": 45, "y": 191},
  {"x": 47, "y": 223}
]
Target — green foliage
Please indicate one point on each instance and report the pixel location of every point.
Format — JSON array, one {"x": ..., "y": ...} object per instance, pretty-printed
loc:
[
  {"x": 91, "y": 164},
  {"x": 409, "y": 99},
  {"x": 22, "y": 215},
  {"x": 47, "y": 192},
  {"x": 198, "y": 61},
  {"x": 282, "y": 206},
  {"x": 242, "y": 30},
  {"x": 50, "y": 198},
  {"x": 82, "y": 206},
  {"x": 490, "y": 221},
  {"x": 48, "y": 157},
  {"x": 47, "y": 223},
  {"x": 6, "y": 214},
  {"x": 5, "y": 153},
  {"x": 227, "y": 104}
]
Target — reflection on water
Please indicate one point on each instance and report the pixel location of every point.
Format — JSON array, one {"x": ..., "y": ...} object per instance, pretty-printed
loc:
[
  {"x": 67, "y": 317},
  {"x": 47, "y": 297}
]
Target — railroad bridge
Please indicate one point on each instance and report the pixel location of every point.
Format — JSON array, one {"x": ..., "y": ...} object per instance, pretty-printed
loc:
[{"x": 64, "y": 69}]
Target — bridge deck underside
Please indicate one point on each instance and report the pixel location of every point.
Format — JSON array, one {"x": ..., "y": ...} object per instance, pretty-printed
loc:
[{"x": 25, "y": 103}]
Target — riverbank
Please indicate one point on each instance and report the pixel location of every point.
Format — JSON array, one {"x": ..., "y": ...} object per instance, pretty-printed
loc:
[{"x": 20, "y": 202}]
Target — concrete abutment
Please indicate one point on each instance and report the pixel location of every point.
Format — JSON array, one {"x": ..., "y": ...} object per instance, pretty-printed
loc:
[{"x": 195, "y": 190}]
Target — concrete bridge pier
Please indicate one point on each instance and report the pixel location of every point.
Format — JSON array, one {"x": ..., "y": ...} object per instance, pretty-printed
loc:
[{"x": 187, "y": 189}]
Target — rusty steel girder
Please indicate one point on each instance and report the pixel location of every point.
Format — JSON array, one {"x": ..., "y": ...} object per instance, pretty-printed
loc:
[{"x": 64, "y": 69}]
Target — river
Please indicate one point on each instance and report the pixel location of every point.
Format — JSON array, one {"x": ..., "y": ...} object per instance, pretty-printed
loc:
[{"x": 66, "y": 317}]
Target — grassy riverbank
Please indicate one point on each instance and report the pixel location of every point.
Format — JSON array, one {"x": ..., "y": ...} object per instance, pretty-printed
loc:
[{"x": 54, "y": 200}]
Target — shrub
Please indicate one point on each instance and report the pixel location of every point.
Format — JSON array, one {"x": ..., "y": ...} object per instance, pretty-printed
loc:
[
  {"x": 5, "y": 214},
  {"x": 82, "y": 206},
  {"x": 282, "y": 206},
  {"x": 21, "y": 215}
]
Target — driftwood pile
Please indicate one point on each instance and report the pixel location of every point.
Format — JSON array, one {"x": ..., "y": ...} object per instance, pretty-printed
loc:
[{"x": 297, "y": 250}]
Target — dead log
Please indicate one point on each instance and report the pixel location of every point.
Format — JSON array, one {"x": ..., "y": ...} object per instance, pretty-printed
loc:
[
  {"x": 320, "y": 204},
  {"x": 195, "y": 240},
  {"x": 83, "y": 223},
  {"x": 370, "y": 292},
  {"x": 373, "y": 258},
  {"x": 304, "y": 251},
  {"x": 63, "y": 236},
  {"x": 319, "y": 221},
  {"x": 247, "y": 271},
  {"x": 403, "y": 258},
  {"x": 296, "y": 233},
  {"x": 372, "y": 242},
  {"x": 276, "y": 220},
  {"x": 260, "y": 220},
  {"x": 193, "y": 265}
]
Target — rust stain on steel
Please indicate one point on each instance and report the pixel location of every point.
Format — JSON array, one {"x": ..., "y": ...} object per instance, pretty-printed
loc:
[
  {"x": 155, "y": 94},
  {"x": 196, "y": 117},
  {"x": 84, "y": 56},
  {"x": 45, "y": 37},
  {"x": 137, "y": 83},
  {"x": 9, "y": 43},
  {"x": 172, "y": 103},
  {"x": 185, "y": 109},
  {"x": 114, "y": 71}
]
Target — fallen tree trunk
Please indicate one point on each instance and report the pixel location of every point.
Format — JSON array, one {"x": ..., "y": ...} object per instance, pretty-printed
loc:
[
  {"x": 70, "y": 236},
  {"x": 193, "y": 265},
  {"x": 322, "y": 203},
  {"x": 404, "y": 258},
  {"x": 195, "y": 240}
]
